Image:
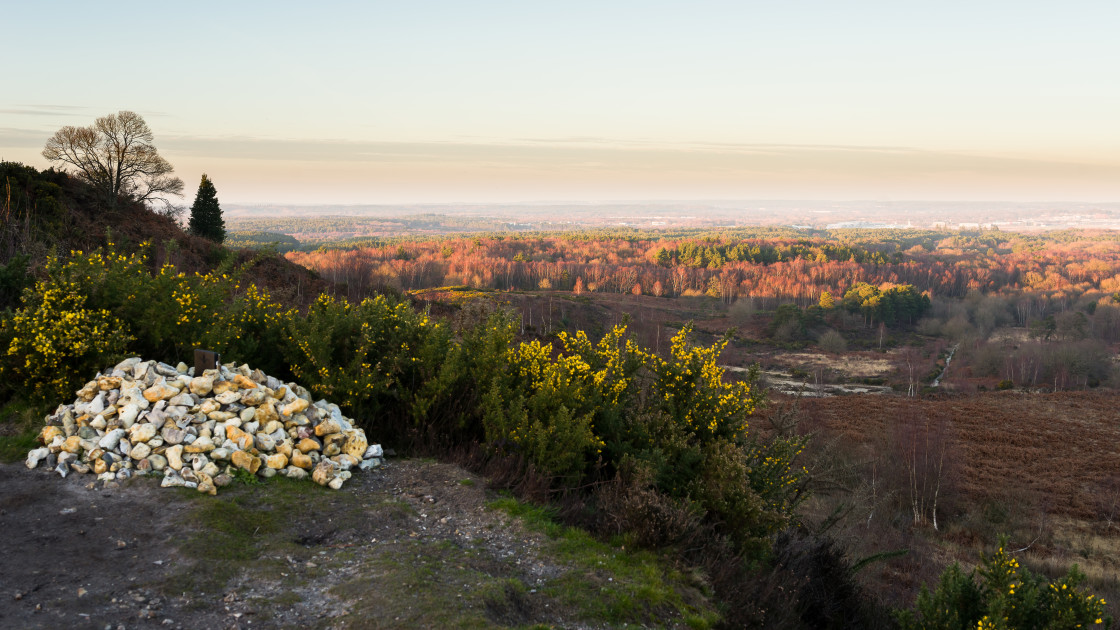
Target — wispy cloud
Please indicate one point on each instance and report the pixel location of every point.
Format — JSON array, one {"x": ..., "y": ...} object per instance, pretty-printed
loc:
[
  {"x": 22, "y": 138},
  {"x": 43, "y": 110},
  {"x": 633, "y": 157}
]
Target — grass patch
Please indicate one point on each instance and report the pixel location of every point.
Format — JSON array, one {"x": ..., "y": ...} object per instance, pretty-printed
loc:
[
  {"x": 608, "y": 582},
  {"x": 421, "y": 584},
  {"x": 20, "y": 423},
  {"x": 230, "y": 532}
]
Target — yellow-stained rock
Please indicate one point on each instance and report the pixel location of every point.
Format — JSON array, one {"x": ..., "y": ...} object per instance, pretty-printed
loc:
[
  {"x": 284, "y": 447},
  {"x": 99, "y": 466},
  {"x": 47, "y": 435},
  {"x": 243, "y": 440},
  {"x": 241, "y": 459},
  {"x": 73, "y": 444},
  {"x": 141, "y": 432},
  {"x": 306, "y": 445},
  {"x": 88, "y": 392},
  {"x": 280, "y": 392},
  {"x": 266, "y": 413},
  {"x": 201, "y": 385},
  {"x": 200, "y": 445},
  {"x": 206, "y": 483},
  {"x": 356, "y": 443},
  {"x": 301, "y": 460},
  {"x": 243, "y": 382},
  {"x": 105, "y": 383},
  {"x": 174, "y": 457},
  {"x": 279, "y": 461},
  {"x": 221, "y": 387},
  {"x": 296, "y": 406},
  {"x": 327, "y": 427},
  {"x": 160, "y": 391},
  {"x": 323, "y": 473}
]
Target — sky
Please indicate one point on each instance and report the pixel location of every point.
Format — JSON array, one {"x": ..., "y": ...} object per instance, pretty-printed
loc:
[{"x": 436, "y": 102}]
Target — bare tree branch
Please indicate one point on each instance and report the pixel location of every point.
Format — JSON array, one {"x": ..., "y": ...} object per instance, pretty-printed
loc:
[{"x": 115, "y": 155}]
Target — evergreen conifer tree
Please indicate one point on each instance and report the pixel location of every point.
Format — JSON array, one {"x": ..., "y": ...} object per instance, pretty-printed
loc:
[{"x": 206, "y": 215}]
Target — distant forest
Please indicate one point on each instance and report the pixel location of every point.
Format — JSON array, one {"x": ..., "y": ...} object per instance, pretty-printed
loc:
[{"x": 771, "y": 264}]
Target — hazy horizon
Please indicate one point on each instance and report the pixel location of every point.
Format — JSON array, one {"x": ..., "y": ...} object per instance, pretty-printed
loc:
[{"x": 438, "y": 102}]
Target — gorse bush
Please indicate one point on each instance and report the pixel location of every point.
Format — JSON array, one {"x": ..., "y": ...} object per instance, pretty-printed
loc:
[
  {"x": 57, "y": 339},
  {"x": 1000, "y": 594},
  {"x": 90, "y": 310},
  {"x": 593, "y": 409},
  {"x": 372, "y": 358}
]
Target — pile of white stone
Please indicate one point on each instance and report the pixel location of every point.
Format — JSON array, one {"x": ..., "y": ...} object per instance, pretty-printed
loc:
[{"x": 145, "y": 417}]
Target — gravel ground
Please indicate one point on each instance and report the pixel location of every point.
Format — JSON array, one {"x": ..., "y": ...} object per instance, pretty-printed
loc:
[{"x": 83, "y": 554}]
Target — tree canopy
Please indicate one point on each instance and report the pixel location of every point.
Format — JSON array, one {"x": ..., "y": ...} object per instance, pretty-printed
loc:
[
  {"x": 206, "y": 214},
  {"x": 116, "y": 156}
]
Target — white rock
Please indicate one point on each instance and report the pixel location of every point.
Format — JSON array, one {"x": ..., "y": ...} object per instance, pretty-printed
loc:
[
  {"x": 110, "y": 440},
  {"x": 127, "y": 364},
  {"x": 172, "y": 480},
  {"x": 374, "y": 450},
  {"x": 37, "y": 455},
  {"x": 97, "y": 405},
  {"x": 264, "y": 442},
  {"x": 293, "y": 472},
  {"x": 140, "y": 451},
  {"x": 228, "y": 398},
  {"x": 128, "y": 414},
  {"x": 181, "y": 400}
]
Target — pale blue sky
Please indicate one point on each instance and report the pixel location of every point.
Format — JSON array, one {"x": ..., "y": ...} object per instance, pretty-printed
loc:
[{"x": 417, "y": 101}]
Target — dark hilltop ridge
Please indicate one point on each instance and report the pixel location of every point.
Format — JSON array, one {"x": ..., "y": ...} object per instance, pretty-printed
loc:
[{"x": 49, "y": 212}]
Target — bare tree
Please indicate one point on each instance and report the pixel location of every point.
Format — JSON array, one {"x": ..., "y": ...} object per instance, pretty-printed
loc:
[{"x": 115, "y": 155}]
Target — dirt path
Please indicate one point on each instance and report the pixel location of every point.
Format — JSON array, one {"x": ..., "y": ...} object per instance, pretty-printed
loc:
[
  {"x": 413, "y": 544},
  {"x": 290, "y": 554}
]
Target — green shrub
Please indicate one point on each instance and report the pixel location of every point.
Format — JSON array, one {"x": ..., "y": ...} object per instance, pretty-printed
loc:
[
  {"x": 14, "y": 278},
  {"x": 1001, "y": 594}
]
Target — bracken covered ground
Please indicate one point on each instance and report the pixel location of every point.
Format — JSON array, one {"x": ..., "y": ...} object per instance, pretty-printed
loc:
[{"x": 1059, "y": 448}]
